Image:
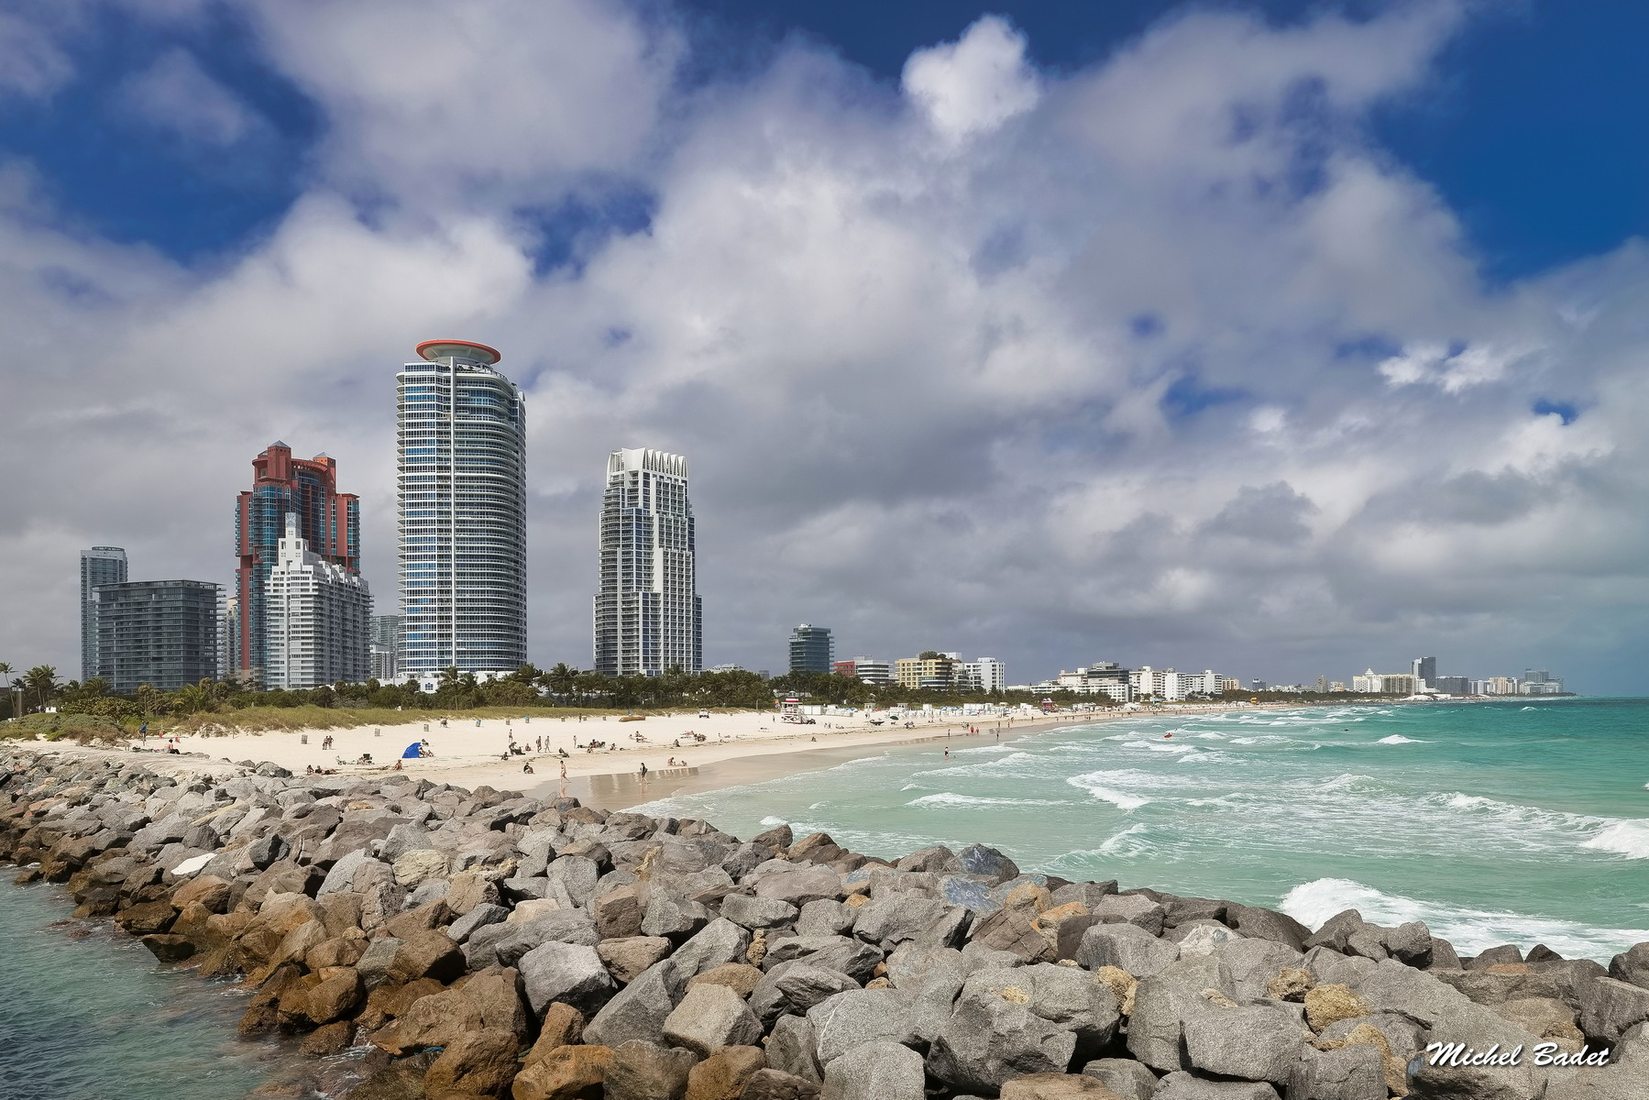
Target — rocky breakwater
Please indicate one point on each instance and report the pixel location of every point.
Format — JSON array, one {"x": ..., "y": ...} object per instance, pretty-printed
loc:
[{"x": 483, "y": 944}]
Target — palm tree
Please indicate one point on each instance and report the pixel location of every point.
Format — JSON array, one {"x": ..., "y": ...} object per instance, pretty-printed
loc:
[
  {"x": 5, "y": 670},
  {"x": 41, "y": 682},
  {"x": 562, "y": 680}
]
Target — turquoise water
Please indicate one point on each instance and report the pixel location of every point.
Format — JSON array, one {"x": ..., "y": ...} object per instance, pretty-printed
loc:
[
  {"x": 1492, "y": 822},
  {"x": 86, "y": 1013}
]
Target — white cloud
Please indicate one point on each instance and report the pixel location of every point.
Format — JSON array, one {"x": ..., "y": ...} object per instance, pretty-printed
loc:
[
  {"x": 505, "y": 101},
  {"x": 35, "y": 64},
  {"x": 975, "y": 84},
  {"x": 175, "y": 94}
]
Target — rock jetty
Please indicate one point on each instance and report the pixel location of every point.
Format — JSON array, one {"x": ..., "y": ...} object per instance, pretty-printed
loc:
[{"x": 484, "y": 944}]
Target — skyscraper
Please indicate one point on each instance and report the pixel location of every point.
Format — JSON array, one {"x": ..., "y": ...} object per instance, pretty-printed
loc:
[
  {"x": 99, "y": 565},
  {"x": 811, "y": 649},
  {"x": 1424, "y": 671},
  {"x": 317, "y": 619},
  {"x": 329, "y": 521},
  {"x": 160, "y": 633},
  {"x": 462, "y": 493},
  {"x": 386, "y": 645},
  {"x": 648, "y": 616}
]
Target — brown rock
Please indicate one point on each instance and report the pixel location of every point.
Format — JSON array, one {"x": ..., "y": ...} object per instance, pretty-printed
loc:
[
  {"x": 723, "y": 1075},
  {"x": 487, "y": 1000},
  {"x": 336, "y": 996},
  {"x": 563, "y": 1027},
  {"x": 168, "y": 947},
  {"x": 566, "y": 1073},
  {"x": 258, "y": 1020},
  {"x": 625, "y": 958},
  {"x": 280, "y": 914},
  {"x": 817, "y": 848},
  {"x": 618, "y": 912},
  {"x": 208, "y": 891},
  {"x": 147, "y": 918},
  {"x": 331, "y": 1038},
  {"x": 741, "y": 978},
  {"x": 647, "y": 1071},
  {"x": 403, "y": 926},
  {"x": 426, "y": 954},
  {"x": 482, "y": 1062},
  {"x": 337, "y": 951}
]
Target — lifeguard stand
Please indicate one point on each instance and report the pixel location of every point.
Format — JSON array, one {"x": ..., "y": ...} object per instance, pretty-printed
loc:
[{"x": 790, "y": 710}]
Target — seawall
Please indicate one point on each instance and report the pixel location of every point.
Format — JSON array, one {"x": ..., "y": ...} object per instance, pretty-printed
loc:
[{"x": 483, "y": 944}]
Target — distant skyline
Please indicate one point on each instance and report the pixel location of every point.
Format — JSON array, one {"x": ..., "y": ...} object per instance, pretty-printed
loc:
[{"x": 1275, "y": 338}]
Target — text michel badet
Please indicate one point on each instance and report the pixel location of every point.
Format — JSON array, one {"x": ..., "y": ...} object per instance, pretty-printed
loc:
[{"x": 1541, "y": 1054}]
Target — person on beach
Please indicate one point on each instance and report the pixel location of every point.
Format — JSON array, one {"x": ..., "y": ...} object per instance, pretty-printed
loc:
[
  {"x": 643, "y": 772},
  {"x": 527, "y": 767}
]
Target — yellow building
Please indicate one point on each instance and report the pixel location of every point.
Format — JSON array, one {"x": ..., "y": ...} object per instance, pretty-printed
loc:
[{"x": 924, "y": 672}]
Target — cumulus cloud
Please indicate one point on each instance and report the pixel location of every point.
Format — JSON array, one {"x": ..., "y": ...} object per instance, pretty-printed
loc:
[
  {"x": 975, "y": 84},
  {"x": 1048, "y": 366},
  {"x": 494, "y": 103}
]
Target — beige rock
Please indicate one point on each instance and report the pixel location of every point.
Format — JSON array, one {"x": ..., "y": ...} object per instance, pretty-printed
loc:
[
  {"x": 1329, "y": 1004},
  {"x": 1291, "y": 983},
  {"x": 741, "y": 978},
  {"x": 566, "y": 1073}
]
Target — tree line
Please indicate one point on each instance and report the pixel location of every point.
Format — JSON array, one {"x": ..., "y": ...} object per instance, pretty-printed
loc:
[{"x": 529, "y": 687}]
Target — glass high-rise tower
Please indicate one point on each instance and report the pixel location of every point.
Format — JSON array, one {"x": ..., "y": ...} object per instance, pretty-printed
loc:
[
  {"x": 648, "y": 616},
  {"x": 99, "y": 565},
  {"x": 328, "y": 521},
  {"x": 462, "y": 492}
]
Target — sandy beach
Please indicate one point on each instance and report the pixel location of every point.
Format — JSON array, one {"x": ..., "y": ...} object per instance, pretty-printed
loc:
[{"x": 604, "y": 755}]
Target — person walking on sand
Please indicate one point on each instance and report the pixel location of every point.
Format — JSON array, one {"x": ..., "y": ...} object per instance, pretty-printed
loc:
[{"x": 643, "y": 771}]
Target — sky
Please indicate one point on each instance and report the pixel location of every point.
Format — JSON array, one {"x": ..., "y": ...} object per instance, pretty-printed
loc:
[{"x": 1283, "y": 339}]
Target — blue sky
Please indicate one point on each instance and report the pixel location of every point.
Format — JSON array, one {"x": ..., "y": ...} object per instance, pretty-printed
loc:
[{"x": 1282, "y": 338}]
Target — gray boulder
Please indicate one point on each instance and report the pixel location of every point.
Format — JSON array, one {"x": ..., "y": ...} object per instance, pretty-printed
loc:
[
  {"x": 1254, "y": 1043},
  {"x": 710, "y": 1017},
  {"x": 988, "y": 1040},
  {"x": 1350, "y": 1073},
  {"x": 1632, "y": 966},
  {"x": 638, "y": 1011},
  {"x": 825, "y": 917},
  {"x": 751, "y": 912},
  {"x": 890, "y": 921},
  {"x": 875, "y": 1071},
  {"x": 1127, "y": 947},
  {"x": 568, "y": 972},
  {"x": 792, "y": 1046},
  {"x": 720, "y": 941},
  {"x": 1608, "y": 1007},
  {"x": 1130, "y": 1080},
  {"x": 1185, "y": 1086},
  {"x": 1134, "y": 909},
  {"x": 850, "y": 1019}
]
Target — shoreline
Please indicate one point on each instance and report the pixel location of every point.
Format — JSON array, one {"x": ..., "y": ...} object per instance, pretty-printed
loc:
[
  {"x": 740, "y": 748},
  {"x": 499, "y": 942}
]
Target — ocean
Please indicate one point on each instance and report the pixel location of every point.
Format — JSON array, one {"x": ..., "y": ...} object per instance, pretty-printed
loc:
[
  {"x": 86, "y": 1013},
  {"x": 1518, "y": 822}
]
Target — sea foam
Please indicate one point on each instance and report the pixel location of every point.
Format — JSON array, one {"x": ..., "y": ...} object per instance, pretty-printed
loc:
[{"x": 1626, "y": 838}]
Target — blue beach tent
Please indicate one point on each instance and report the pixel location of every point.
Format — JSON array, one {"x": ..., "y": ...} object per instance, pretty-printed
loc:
[{"x": 411, "y": 753}]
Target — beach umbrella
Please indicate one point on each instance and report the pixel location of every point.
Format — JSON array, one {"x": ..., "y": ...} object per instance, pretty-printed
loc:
[{"x": 411, "y": 753}]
